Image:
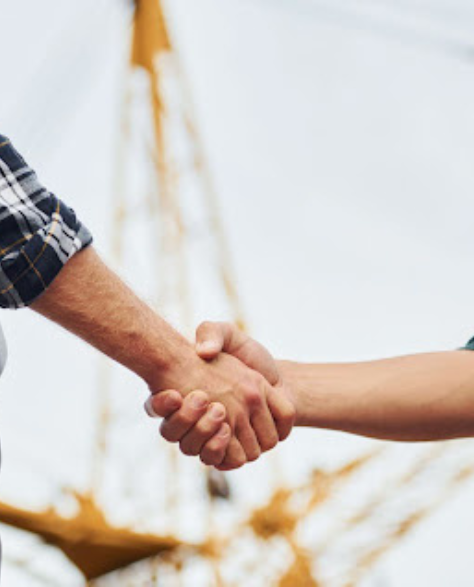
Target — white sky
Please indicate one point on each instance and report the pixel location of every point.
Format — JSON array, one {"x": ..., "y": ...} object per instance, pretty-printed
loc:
[{"x": 343, "y": 157}]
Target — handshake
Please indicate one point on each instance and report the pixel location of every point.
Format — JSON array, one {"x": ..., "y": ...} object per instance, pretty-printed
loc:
[
  {"x": 228, "y": 401},
  {"x": 234, "y": 405},
  {"x": 231, "y": 401}
]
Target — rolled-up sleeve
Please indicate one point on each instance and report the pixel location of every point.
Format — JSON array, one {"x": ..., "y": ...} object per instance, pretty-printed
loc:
[{"x": 39, "y": 234}]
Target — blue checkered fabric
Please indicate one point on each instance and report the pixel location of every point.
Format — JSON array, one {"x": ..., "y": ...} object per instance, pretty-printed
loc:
[{"x": 38, "y": 232}]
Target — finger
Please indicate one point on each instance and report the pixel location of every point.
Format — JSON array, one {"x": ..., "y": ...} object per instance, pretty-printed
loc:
[
  {"x": 163, "y": 404},
  {"x": 283, "y": 412},
  {"x": 193, "y": 408},
  {"x": 210, "y": 339},
  {"x": 264, "y": 427},
  {"x": 214, "y": 450},
  {"x": 215, "y": 337},
  {"x": 235, "y": 456},
  {"x": 192, "y": 443},
  {"x": 248, "y": 439}
]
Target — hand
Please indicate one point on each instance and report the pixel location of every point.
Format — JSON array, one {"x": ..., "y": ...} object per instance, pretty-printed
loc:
[
  {"x": 192, "y": 421},
  {"x": 252, "y": 404},
  {"x": 212, "y": 339}
]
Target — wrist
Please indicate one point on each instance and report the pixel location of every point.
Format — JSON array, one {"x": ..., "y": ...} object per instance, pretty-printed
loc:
[
  {"x": 289, "y": 372},
  {"x": 319, "y": 393},
  {"x": 173, "y": 372}
]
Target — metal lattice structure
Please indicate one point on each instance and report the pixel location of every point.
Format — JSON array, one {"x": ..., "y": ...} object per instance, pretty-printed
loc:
[{"x": 303, "y": 535}]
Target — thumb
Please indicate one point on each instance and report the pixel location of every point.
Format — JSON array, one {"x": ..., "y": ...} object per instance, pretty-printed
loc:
[
  {"x": 211, "y": 339},
  {"x": 215, "y": 337},
  {"x": 163, "y": 404}
]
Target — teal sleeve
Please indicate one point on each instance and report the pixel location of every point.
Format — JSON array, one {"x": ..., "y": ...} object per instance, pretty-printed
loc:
[{"x": 470, "y": 345}]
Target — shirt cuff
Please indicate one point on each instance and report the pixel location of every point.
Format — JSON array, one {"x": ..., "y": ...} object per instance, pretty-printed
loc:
[{"x": 28, "y": 271}]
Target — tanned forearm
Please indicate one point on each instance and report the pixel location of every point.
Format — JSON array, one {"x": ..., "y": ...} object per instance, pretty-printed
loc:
[
  {"x": 92, "y": 302},
  {"x": 89, "y": 300},
  {"x": 412, "y": 398}
]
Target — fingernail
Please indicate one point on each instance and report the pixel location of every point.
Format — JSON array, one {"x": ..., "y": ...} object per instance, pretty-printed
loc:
[
  {"x": 206, "y": 346},
  {"x": 224, "y": 433},
  {"x": 217, "y": 412},
  {"x": 198, "y": 401},
  {"x": 149, "y": 408}
]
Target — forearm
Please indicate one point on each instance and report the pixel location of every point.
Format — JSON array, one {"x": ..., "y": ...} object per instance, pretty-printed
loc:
[
  {"x": 419, "y": 397},
  {"x": 91, "y": 301}
]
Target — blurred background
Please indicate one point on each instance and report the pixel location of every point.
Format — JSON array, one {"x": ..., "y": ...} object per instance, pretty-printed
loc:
[{"x": 300, "y": 166}]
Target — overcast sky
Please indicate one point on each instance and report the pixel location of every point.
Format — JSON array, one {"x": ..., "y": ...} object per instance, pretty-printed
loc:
[{"x": 340, "y": 136}]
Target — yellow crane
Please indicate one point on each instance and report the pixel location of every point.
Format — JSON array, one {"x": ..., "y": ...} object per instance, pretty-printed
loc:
[{"x": 107, "y": 553}]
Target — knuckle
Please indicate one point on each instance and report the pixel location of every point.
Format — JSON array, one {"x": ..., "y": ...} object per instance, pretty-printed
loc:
[
  {"x": 290, "y": 409},
  {"x": 211, "y": 456},
  {"x": 204, "y": 428},
  {"x": 254, "y": 455},
  {"x": 289, "y": 415},
  {"x": 215, "y": 447},
  {"x": 252, "y": 395},
  {"x": 188, "y": 449},
  {"x": 235, "y": 461},
  {"x": 284, "y": 429},
  {"x": 167, "y": 433},
  {"x": 206, "y": 460},
  {"x": 185, "y": 420},
  {"x": 269, "y": 442}
]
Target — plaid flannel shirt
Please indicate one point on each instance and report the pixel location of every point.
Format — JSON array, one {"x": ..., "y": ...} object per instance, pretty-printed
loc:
[{"x": 38, "y": 232}]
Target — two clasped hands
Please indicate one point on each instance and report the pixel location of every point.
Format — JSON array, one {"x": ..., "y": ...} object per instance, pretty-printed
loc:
[
  {"x": 249, "y": 416},
  {"x": 422, "y": 397}
]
